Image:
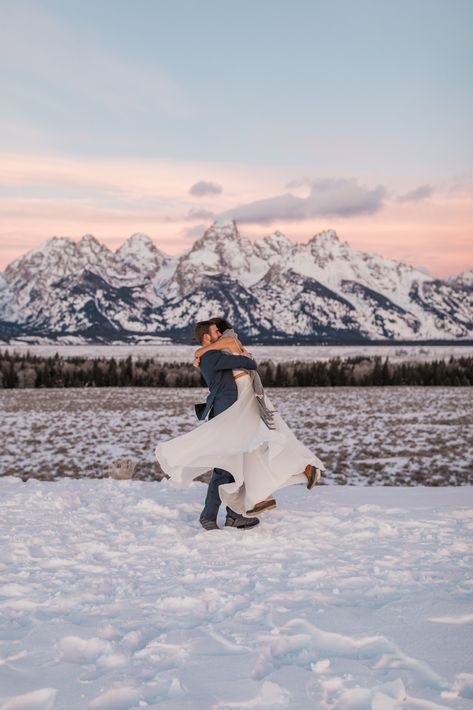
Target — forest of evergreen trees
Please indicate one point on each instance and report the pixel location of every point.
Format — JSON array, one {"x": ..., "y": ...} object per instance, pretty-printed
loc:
[{"x": 27, "y": 370}]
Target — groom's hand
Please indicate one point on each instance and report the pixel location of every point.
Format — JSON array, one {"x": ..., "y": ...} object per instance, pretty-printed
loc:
[{"x": 196, "y": 362}]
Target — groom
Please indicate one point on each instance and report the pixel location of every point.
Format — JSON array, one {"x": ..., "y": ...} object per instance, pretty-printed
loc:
[{"x": 216, "y": 368}]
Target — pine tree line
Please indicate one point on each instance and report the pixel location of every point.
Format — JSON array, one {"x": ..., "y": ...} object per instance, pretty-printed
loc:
[{"x": 27, "y": 370}]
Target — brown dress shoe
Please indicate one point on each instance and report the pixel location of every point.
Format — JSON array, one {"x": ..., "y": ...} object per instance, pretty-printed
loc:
[
  {"x": 262, "y": 506},
  {"x": 312, "y": 474}
]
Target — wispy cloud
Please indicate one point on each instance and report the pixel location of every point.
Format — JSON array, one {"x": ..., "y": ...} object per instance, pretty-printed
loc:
[
  {"x": 138, "y": 185},
  {"x": 420, "y": 193},
  {"x": 194, "y": 214},
  {"x": 54, "y": 66},
  {"x": 327, "y": 198},
  {"x": 46, "y": 195},
  {"x": 193, "y": 233},
  {"x": 42, "y": 195},
  {"x": 202, "y": 188}
]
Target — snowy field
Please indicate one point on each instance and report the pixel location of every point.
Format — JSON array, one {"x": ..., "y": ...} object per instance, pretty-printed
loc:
[
  {"x": 375, "y": 436},
  {"x": 278, "y": 353},
  {"x": 344, "y": 598}
]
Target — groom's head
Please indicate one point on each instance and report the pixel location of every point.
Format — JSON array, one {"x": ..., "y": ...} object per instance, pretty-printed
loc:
[{"x": 206, "y": 332}]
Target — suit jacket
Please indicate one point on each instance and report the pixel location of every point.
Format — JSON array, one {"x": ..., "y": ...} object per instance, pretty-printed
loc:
[{"x": 216, "y": 367}]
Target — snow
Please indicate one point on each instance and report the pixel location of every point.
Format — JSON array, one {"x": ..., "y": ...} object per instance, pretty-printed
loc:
[
  {"x": 163, "y": 351},
  {"x": 139, "y": 254},
  {"x": 113, "y": 597},
  {"x": 382, "y": 298},
  {"x": 465, "y": 278},
  {"x": 364, "y": 436}
]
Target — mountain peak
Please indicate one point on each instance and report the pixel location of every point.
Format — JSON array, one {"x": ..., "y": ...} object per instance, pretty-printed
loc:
[
  {"x": 218, "y": 234},
  {"x": 278, "y": 236},
  {"x": 53, "y": 244},
  {"x": 325, "y": 236},
  {"x": 52, "y": 248},
  {"x": 224, "y": 224},
  {"x": 138, "y": 243},
  {"x": 90, "y": 247},
  {"x": 140, "y": 238},
  {"x": 89, "y": 239},
  {"x": 274, "y": 246},
  {"x": 271, "y": 284},
  {"x": 139, "y": 255},
  {"x": 221, "y": 228},
  {"x": 465, "y": 278}
]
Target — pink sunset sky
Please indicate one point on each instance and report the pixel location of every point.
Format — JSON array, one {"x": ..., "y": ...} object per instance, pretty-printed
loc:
[
  {"x": 163, "y": 117},
  {"x": 174, "y": 202}
]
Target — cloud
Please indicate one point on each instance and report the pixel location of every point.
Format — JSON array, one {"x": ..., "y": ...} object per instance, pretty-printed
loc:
[
  {"x": 58, "y": 67},
  {"x": 196, "y": 232},
  {"x": 298, "y": 182},
  {"x": 281, "y": 207},
  {"x": 201, "y": 188},
  {"x": 327, "y": 198},
  {"x": 197, "y": 213},
  {"x": 344, "y": 198},
  {"x": 420, "y": 193},
  {"x": 192, "y": 215},
  {"x": 461, "y": 185}
]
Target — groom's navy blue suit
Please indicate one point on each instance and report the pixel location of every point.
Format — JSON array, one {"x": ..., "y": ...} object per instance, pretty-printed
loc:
[{"x": 216, "y": 368}]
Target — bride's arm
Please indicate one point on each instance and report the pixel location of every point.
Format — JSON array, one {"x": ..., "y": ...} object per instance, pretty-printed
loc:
[
  {"x": 228, "y": 343},
  {"x": 243, "y": 350}
]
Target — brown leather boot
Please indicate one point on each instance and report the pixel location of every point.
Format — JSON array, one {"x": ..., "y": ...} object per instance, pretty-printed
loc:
[
  {"x": 313, "y": 475},
  {"x": 262, "y": 506}
]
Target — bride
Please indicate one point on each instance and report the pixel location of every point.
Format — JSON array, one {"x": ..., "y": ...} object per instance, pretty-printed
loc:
[{"x": 262, "y": 457}]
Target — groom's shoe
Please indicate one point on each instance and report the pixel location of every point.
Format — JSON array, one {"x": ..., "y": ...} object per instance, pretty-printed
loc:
[
  {"x": 208, "y": 524},
  {"x": 312, "y": 474},
  {"x": 239, "y": 521}
]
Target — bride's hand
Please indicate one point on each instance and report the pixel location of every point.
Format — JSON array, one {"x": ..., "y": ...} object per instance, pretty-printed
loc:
[{"x": 196, "y": 362}]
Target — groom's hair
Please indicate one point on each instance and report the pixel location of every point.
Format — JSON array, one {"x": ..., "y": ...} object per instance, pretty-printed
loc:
[{"x": 201, "y": 329}]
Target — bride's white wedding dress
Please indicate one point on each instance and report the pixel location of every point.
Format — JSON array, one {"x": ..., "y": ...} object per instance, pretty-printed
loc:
[{"x": 261, "y": 460}]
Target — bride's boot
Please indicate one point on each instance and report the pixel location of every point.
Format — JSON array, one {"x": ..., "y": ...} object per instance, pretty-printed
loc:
[
  {"x": 262, "y": 506},
  {"x": 313, "y": 476}
]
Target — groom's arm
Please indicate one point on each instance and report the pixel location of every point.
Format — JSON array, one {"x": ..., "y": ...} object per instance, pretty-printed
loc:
[{"x": 234, "y": 362}]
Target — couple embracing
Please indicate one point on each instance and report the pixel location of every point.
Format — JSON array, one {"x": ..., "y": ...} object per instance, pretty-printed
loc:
[{"x": 245, "y": 441}]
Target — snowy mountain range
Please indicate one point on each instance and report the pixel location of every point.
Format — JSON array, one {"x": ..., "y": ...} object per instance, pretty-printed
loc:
[{"x": 273, "y": 290}]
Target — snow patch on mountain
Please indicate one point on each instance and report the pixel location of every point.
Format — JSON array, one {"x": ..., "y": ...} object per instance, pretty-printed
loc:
[
  {"x": 466, "y": 278},
  {"x": 272, "y": 287}
]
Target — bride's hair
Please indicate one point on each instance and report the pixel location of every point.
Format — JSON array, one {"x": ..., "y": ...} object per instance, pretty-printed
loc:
[{"x": 221, "y": 323}]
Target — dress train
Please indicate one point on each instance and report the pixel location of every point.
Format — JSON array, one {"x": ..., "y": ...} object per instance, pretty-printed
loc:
[{"x": 261, "y": 460}]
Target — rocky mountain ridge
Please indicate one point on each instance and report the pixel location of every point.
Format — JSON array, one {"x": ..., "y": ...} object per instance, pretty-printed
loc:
[{"x": 272, "y": 289}]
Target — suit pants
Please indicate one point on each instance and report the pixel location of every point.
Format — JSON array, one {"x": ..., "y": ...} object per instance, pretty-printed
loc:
[{"x": 219, "y": 475}]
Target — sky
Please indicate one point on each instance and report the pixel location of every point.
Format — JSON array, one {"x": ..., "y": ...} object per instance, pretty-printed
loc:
[{"x": 161, "y": 116}]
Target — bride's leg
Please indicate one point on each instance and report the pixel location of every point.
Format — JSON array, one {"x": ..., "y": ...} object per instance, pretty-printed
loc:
[{"x": 258, "y": 482}]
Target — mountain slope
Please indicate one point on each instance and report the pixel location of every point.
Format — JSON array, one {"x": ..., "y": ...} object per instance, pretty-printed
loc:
[{"x": 273, "y": 289}]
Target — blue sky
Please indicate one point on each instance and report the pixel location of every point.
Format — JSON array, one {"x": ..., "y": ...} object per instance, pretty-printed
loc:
[{"x": 363, "y": 93}]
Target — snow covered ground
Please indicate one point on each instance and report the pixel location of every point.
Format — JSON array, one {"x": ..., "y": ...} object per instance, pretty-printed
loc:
[
  {"x": 364, "y": 435},
  {"x": 276, "y": 353},
  {"x": 343, "y": 598}
]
